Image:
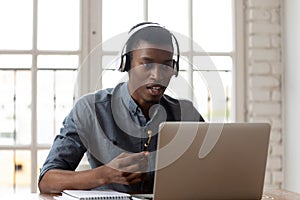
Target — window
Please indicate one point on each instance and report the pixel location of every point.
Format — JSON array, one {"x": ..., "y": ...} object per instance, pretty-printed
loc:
[
  {"x": 39, "y": 55},
  {"x": 47, "y": 59}
]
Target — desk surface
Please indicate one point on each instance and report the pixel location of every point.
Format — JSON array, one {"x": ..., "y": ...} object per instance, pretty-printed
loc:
[
  {"x": 268, "y": 195},
  {"x": 280, "y": 195}
]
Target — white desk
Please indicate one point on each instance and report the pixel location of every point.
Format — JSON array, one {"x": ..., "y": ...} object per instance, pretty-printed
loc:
[{"x": 268, "y": 195}]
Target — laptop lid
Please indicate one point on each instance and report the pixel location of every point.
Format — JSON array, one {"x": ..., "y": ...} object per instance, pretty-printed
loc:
[{"x": 211, "y": 161}]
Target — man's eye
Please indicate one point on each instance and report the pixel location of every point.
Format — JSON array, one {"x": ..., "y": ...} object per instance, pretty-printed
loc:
[
  {"x": 166, "y": 67},
  {"x": 163, "y": 67},
  {"x": 149, "y": 65}
]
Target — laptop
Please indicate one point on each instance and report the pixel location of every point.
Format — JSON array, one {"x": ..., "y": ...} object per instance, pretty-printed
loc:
[{"x": 211, "y": 161}]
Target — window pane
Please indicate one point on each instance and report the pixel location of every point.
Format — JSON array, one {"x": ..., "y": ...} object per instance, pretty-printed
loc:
[
  {"x": 7, "y": 128},
  {"x": 16, "y": 24},
  {"x": 23, "y": 171},
  {"x": 45, "y": 106},
  {"x": 226, "y": 78},
  {"x": 212, "y": 21},
  {"x": 58, "y": 61},
  {"x": 170, "y": 13},
  {"x": 15, "y": 61},
  {"x": 7, "y": 171},
  {"x": 213, "y": 87},
  {"x": 173, "y": 14},
  {"x": 64, "y": 96},
  {"x": 23, "y": 107},
  {"x": 110, "y": 62},
  {"x": 184, "y": 63},
  {"x": 41, "y": 157},
  {"x": 201, "y": 95},
  {"x": 58, "y": 24},
  {"x": 212, "y": 63},
  {"x": 15, "y": 115},
  {"x": 118, "y": 17},
  {"x": 55, "y": 97},
  {"x": 110, "y": 78},
  {"x": 16, "y": 172},
  {"x": 179, "y": 86}
]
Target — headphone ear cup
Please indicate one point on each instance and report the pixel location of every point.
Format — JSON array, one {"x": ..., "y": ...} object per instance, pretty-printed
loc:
[
  {"x": 127, "y": 63},
  {"x": 122, "y": 63},
  {"x": 175, "y": 67}
]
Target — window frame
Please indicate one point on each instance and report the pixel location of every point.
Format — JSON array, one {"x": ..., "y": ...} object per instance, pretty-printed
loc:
[{"x": 33, "y": 146}]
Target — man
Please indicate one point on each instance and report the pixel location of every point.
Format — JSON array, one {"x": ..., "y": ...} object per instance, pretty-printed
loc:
[{"x": 117, "y": 127}]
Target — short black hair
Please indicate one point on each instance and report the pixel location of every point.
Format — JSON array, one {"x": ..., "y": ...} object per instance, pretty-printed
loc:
[{"x": 151, "y": 33}]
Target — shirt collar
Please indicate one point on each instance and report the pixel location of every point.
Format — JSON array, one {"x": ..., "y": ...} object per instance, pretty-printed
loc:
[
  {"x": 128, "y": 100},
  {"x": 131, "y": 105}
]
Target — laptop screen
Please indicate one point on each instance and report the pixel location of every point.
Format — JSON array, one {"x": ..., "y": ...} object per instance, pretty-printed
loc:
[{"x": 197, "y": 160}]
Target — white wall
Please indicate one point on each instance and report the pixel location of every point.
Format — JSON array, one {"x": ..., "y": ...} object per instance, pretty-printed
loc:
[
  {"x": 292, "y": 95},
  {"x": 264, "y": 78}
]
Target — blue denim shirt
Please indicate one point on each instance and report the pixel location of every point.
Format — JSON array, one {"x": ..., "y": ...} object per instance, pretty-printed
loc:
[{"x": 108, "y": 122}]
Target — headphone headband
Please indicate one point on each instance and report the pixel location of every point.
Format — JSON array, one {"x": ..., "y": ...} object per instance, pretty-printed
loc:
[
  {"x": 139, "y": 27},
  {"x": 125, "y": 60}
]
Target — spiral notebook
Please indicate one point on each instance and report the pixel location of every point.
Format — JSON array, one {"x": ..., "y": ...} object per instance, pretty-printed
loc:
[{"x": 92, "y": 195}]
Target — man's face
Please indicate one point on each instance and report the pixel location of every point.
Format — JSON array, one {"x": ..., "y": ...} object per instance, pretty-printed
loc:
[{"x": 150, "y": 72}]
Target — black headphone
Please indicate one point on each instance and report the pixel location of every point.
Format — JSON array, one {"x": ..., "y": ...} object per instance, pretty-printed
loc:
[{"x": 125, "y": 58}]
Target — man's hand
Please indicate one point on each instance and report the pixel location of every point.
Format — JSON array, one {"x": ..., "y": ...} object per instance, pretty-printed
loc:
[{"x": 127, "y": 168}]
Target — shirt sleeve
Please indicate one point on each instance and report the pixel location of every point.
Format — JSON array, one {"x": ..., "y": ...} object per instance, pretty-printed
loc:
[{"x": 67, "y": 149}]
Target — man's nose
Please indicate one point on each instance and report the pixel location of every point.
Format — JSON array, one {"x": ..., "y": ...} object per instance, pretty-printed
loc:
[{"x": 156, "y": 71}]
